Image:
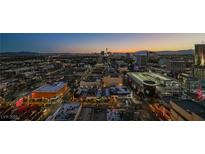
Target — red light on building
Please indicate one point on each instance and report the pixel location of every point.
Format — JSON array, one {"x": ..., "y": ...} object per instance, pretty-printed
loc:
[
  {"x": 19, "y": 102},
  {"x": 200, "y": 95},
  {"x": 22, "y": 108}
]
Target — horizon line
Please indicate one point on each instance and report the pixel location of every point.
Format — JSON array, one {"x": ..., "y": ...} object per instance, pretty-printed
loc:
[{"x": 95, "y": 52}]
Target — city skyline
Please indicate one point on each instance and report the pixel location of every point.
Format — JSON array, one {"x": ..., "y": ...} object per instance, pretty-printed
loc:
[
  {"x": 95, "y": 42},
  {"x": 101, "y": 87}
]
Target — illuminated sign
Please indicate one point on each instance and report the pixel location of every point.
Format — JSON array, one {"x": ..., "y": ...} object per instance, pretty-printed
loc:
[{"x": 19, "y": 102}]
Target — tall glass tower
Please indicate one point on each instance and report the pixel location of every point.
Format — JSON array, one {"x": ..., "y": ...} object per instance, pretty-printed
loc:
[
  {"x": 199, "y": 61},
  {"x": 199, "y": 55}
]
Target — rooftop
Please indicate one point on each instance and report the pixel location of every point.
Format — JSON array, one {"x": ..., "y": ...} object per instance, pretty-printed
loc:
[
  {"x": 150, "y": 76},
  {"x": 50, "y": 87},
  {"x": 92, "y": 78},
  {"x": 66, "y": 111},
  {"x": 119, "y": 90},
  {"x": 113, "y": 115},
  {"x": 140, "y": 77}
]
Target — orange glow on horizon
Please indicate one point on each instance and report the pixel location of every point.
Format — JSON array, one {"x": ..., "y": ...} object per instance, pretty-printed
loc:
[{"x": 132, "y": 50}]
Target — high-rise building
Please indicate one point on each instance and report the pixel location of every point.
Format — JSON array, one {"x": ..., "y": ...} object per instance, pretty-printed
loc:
[
  {"x": 141, "y": 60},
  {"x": 199, "y": 55},
  {"x": 199, "y": 61},
  {"x": 176, "y": 66}
]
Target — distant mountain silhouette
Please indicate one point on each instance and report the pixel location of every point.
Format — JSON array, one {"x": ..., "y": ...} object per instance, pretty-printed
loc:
[
  {"x": 168, "y": 52},
  {"x": 179, "y": 52},
  {"x": 24, "y": 53}
]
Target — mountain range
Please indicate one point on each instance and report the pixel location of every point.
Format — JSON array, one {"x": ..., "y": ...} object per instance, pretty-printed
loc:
[{"x": 168, "y": 52}]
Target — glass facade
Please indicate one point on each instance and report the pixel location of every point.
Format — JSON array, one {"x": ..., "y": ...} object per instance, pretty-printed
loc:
[{"x": 199, "y": 55}]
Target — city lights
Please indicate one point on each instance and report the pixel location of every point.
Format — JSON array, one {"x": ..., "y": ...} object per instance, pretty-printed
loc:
[{"x": 104, "y": 85}]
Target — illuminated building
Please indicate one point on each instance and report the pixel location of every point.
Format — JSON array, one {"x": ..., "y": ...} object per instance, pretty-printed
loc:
[
  {"x": 91, "y": 81},
  {"x": 50, "y": 90},
  {"x": 123, "y": 69},
  {"x": 199, "y": 61},
  {"x": 199, "y": 55},
  {"x": 200, "y": 95},
  {"x": 112, "y": 80},
  {"x": 161, "y": 111},
  {"x": 47, "y": 94}
]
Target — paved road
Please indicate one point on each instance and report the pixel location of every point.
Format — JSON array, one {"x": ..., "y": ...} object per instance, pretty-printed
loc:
[{"x": 86, "y": 114}]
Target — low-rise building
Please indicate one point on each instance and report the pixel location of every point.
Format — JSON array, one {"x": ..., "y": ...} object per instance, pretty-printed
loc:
[
  {"x": 50, "y": 90},
  {"x": 91, "y": 81},
  {"x": 66, "y": 112},
  {"x": 112, "y": 80},
  {"x": 45, "y": 95},
  {"x": 150, "y": 83}
]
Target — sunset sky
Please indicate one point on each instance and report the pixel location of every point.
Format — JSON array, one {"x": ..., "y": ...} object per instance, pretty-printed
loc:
[{"x": 96, "y": 42}]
